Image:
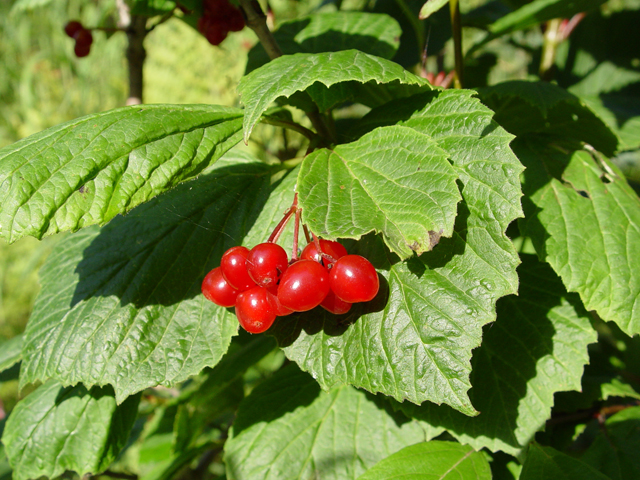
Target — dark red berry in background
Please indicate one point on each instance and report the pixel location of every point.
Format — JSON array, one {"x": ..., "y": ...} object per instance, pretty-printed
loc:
[
  {"x": 234, "y": 268},
  {"x": 354, "y": 279},
  {"x": 216, "y": 289},
  {"x": 303, "y": 286},
  {"x": 334, "y": 305},
  {"x": 254, "y": 310},
  {"x": 333, "y": 249},
  {"x": 72, "y": 28},
  {"x": 84, "y": 39},
  {"x": 234, "y": 19},
  {"x": 266, "y": 263},
  {"x": 215, "y": 34},
  {"x": 82, "y": 50}
]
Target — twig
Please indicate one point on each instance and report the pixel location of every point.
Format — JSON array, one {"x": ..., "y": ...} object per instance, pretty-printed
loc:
[
  {"x": 552, "y": 38},
  {"x": 290, "y": 125},
  {"x": 456, "y": 29}
]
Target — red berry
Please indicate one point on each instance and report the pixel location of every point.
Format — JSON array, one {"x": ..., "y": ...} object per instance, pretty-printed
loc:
[
  {"x": 83, "y": 37},
  {"x": 254, "y": 310},
  {"x": 266, "y": 262},
  {"x": 215, "y": 34},
  {"x": 354, "y": 279},
  {"x": 303, "y": 286},
  {"x": 333, "y": 249},
  {"x": 82, "y": 49},
  {"x": 216, "y": 289},
  {"x": 234, "y": 19},
  {"x": 333, "y": 304},
  {"x": 234, "y": 268},
  {"x": 281, "y": 310},
  {"x": 72, "y": 28}
]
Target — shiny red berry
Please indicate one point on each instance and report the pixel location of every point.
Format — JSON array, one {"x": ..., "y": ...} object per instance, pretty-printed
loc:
[
  {"x": 254, "y": 310},
  {"x": 216, "y": 289},
  {"x": 333, "y": 249},
  {"x": 234, "y": 268},
  {"x": 303, "y": 286},
  {"x": 333, "y": 304},
  {"x": 354, "y": 279},
  {"x": 266, "y": 262}
]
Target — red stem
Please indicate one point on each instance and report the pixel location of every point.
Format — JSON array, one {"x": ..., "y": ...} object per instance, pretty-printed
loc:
[
  {"x": 306, "y": 233},
  {"x": 283, "y": 223},
  {"x": 296, "y": 230}
]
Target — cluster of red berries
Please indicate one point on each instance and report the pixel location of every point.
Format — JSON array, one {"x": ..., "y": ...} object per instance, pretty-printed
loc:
[
  {"x": 262, "y": 284},
  {"x": 81, "y": 35},
  {"x": 218, "y": 19}
]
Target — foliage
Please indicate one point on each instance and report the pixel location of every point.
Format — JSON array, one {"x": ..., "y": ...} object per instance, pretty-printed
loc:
[{"x": 503, "y": 340}]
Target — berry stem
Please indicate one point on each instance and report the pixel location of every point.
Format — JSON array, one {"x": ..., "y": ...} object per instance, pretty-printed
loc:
[
  {"x": 328, "y": 257},
  {"x": 283, "y": 223},
  {"x": 296, "y": 231},
  {"x": 290, "y": 125},
  {"x": 307, "y": 235}
]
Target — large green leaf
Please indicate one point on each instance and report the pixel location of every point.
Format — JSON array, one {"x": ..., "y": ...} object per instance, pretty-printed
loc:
[
  {"x": 287, "y": 428},
  {"x": 432, "y": 460},
  {"x": 89, "y": 170},
  {"x": 622, "y": 114},
  {"x": 547, "y": 111},
  {"x": 546, "y": 463},
  {"x": 121, "y": 305},
  {"x": 416, "y": 344},
  {"x": 10, "y": 352},
  {"x": 372, "y": 33},
  {"x": 356, "y": 76},
  {"x": 20, "y": 6},
  {"x": 584, "y": 219},
  {"x": 536, "y": 347},
  {"x": 394, "y": 180},
  {"x": 57, "y": 428}
]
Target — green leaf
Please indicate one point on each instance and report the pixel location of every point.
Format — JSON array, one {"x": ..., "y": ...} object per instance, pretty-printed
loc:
[
  {"x": 56, "y": 429},
  {"x": 288, "y": 428},
  {"x": 536, "y": 347},
  {"x": 614, "y": 453},
  {"x": 20, "y": 6},
  {"x": 546, "y": 463},
  {"x": 622, "y": 114},
  {"x": 372, "y": 81},
  {"x": 89, "y": 170},
  {"x": 547, "y": 111},
  {"x": 430, "y": 7},
  {"x": 416, "y": 344},
  {"x": 10, "y": 352},
  {"x": 584, "y": 219},
  {"x": 372, "y": 33},
  {"x": 540, "y": 11},
  {"x": 122, "y": 305},
  {"x": 394, "y": 180},
  {"x": 432, "y": 460},
  {"x": 152, "y": 7}
]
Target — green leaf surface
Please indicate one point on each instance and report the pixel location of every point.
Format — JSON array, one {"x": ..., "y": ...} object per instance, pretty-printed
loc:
[
  {"x": 152, "y": 7},
  {"x": 536, "y": 347},
  {"x": 287, "y": 428},
  {"x": 584, "y": 219},
  {"x": 546, "y": 463},
  {"x": 88, "y": 170},
  {"x": 10, "y": 352},
  {"x": 371, "y": 33},
  {"x": 622, "y": 114},
  {"x": 371, "y": 81},
  {"x": 394, "y": 180},
  {"x": 432, "y": 460},
  {"x": 20, "y": 6},
  {"x": 415, "y": 340},
  {"x": 616, "y": 452},
  {"x": 430, "y": 7},
  {"x": 547, "y": 111},
  {"x": 539, "y": 11},
  {"x": 57, "y": 429},
  {"x": 122, "y": 305}
]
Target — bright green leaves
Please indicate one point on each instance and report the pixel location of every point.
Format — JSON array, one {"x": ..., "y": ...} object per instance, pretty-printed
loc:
[
  {"x": 536, "y": 347},
  {"x": 433, "y": 460},
  {"x": 122, "y": 305},
  {"x": 371, "y": 80},
  {"x": 89, "y": 170},
  {"x": 393, "y": 180},
  {"x": 371, "y": 33},
  {"x": 288, "y": 428},
  {"x": 56, "y": 429},
  {"x": 584, "y": 219}
]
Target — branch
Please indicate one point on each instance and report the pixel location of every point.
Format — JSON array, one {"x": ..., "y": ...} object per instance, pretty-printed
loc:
[
  {"x": 456, "y": 29},
  {"x": 290, "y": 125}
]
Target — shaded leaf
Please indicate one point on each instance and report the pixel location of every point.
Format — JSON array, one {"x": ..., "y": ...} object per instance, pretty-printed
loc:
[
  {"x": 372, "y": 33},
  {"x": 57, "y": 429},
  {"x": 431, "y": 6},
  {"x": 121, "y": 305},
  {"x": 371, "y": 81},
  {"x": 394, "y": 180},
  {"x": 432, "y": 460},
  {"x": 584, "y": 219},
  {"x": 88, "y": 170},
  {"x": 286, "y": 428},
  {"x": 415, "y": 340},
  {"x": 536, "y": 347},
  {"x": 546, "y": 463}
]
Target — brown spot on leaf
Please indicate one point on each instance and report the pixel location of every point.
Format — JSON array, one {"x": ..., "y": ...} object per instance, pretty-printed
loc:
[
  {"x": 434, "y": 238},
  {"x": 341, "y": 187}
]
